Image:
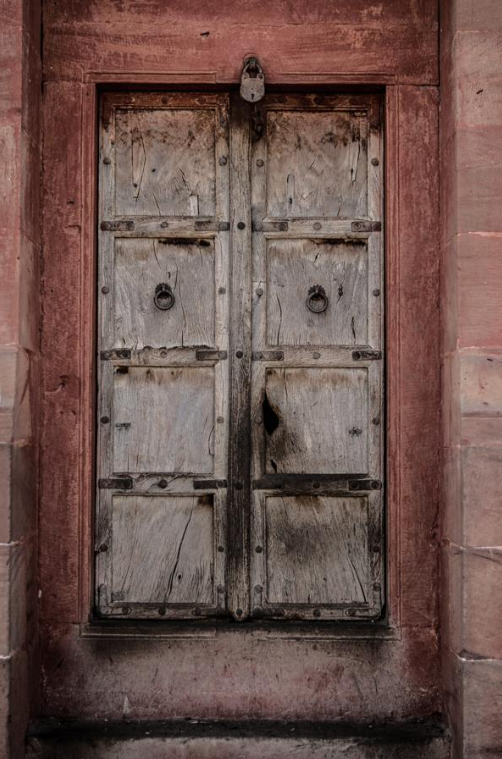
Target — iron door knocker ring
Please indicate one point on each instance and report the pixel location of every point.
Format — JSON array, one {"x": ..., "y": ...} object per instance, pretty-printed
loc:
[
  {"x": 317, "y": 300},
  {"x": 164, "y": 297}
]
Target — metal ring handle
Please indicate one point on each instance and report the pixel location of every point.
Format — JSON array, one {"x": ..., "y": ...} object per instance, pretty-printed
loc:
[
  {"x": 164, "y": 297},
  {"x": 317, "y": 300}
]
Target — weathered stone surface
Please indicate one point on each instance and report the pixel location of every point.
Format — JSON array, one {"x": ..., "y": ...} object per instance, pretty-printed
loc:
[
  {"x": 481, "y": 382},
  {"x": 479, "y": 284},
  {"x": 196, "y": 740},
  {"x": 482, "y": 691},
  {"x": 482, "y": 497}
]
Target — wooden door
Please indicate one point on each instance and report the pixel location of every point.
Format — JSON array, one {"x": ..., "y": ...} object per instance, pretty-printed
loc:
[{"x": 240, "y": 385}]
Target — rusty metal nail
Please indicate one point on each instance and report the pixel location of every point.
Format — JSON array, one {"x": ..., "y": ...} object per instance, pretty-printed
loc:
[
  {"x": 376, "y": 548},
  {"x": 106, "y": 161},
  {"x": 259, "y": 292},
  {"x": 126, "y": 610},
  {"x": 238, "y": 485},
  {"x": 162, "y": 610},
  {"x": 105, "y": 290},
  {"x": 162, "y": 484},
  {"x": 239, "y": 612},
  {"x": 197, "y": 612},
  {"x": 241, "y": 225},
  {"x": 375, "y": 161},
  {"x": 105, "y": 419},
  {"x": 258, "y": 588},
  {"x": 164, "y": 225},
  {"x": 259, "y": 162},
  {"x": 375, "y": 485},
  {"x": 164, "y": 101},
  {"x": 163, "y": 354},
  {"x": 375, "y": 420},
  {"x": 220, "y": 549},
  {"x": 222, "y": 290},
  {"x": 258, "y": 227},
  {"x": 316, "y": 485},
  {"x": 376, "y": 292},
  {"x": 239, "y": 354},
  {"x": 223, "y": 160},
  {"x": 259, "y": 549},
  {"x": 317, "y": 355},
  {"x": 220, "y": 420},
  {"x": 103, "y": 548},
  {"x": 106, "y": 355},
  {"x": 376, "y": 586},
  {"x": 350, "y": 612},
  {"x": 317, "y": 612},
  {"x": 356, "y": 355},
  {"x": 317, "y": 225}
]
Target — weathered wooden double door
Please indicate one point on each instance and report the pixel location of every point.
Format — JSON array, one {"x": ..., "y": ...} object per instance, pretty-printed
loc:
[{"x": 240, "y": 326}]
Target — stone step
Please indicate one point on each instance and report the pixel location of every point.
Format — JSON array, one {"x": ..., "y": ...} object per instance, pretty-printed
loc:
[{"x": 203, "y": 739}]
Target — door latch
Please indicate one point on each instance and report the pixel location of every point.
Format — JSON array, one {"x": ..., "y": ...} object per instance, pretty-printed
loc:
[{"x": 252, "y": 81}]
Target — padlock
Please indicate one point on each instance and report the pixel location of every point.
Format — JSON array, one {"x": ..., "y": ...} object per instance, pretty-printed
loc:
[{"x": 252, "y": 81}]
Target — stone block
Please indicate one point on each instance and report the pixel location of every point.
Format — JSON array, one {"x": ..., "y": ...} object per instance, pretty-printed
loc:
[
  {"x": 10, "y": 171},
  {"x": 12, "y": 597},
  {"x": 10, "y": 242},
  {"x": 482, "y": 498},
  {"x": 8, "y": 369},
  {"x": 479, "y": 192},
  {"x": 484, "y": 432},
  {"x": 477, "y": 15},
  {"x": 479, "y": 147},
  {"x": 10, "y": 69},
  {"x": 479, "y": 286},
  {"x": 478, "y": 77},
  {"x": 481, "y": 383},
  {"x": 482, "y": 603},
  {"x": 482, "y": 707}
]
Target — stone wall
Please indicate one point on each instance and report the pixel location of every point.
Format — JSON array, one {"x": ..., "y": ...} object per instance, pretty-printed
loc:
[
  {"x": 471, "y": 129},
  {"x": 19, "y": 340}
]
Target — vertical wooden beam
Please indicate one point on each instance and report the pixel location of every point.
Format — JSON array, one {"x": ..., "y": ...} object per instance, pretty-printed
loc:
[{"x": 239, "y": 490}]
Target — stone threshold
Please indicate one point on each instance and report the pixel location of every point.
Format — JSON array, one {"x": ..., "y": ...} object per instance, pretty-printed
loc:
[{"x": 192, "y": 738}]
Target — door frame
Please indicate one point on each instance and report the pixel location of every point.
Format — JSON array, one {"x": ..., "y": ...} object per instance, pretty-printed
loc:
[{"x": 411, "y": 215}]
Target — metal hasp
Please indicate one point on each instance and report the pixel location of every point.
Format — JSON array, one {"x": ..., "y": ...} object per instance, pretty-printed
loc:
[{"x": 252, "y": 81}]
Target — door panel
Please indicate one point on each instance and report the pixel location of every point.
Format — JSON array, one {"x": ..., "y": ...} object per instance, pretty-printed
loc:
[
  {"x": 163, "y": 419},
  {"x": 186, "y": 267},
  {"x": 294, "y": 269},
  {"x": 321, "y": 417},
  {"x": 240, "y": 357},
  {"x": 317, "y": 163},
  {"x": 317, "y": 550},
  {"x": 165, "y": 161},
  {"x": 175, "y": 568}
]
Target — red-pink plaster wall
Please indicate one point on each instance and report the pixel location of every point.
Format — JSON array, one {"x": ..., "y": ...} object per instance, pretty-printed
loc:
[{"x": 20, "y": 86}]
